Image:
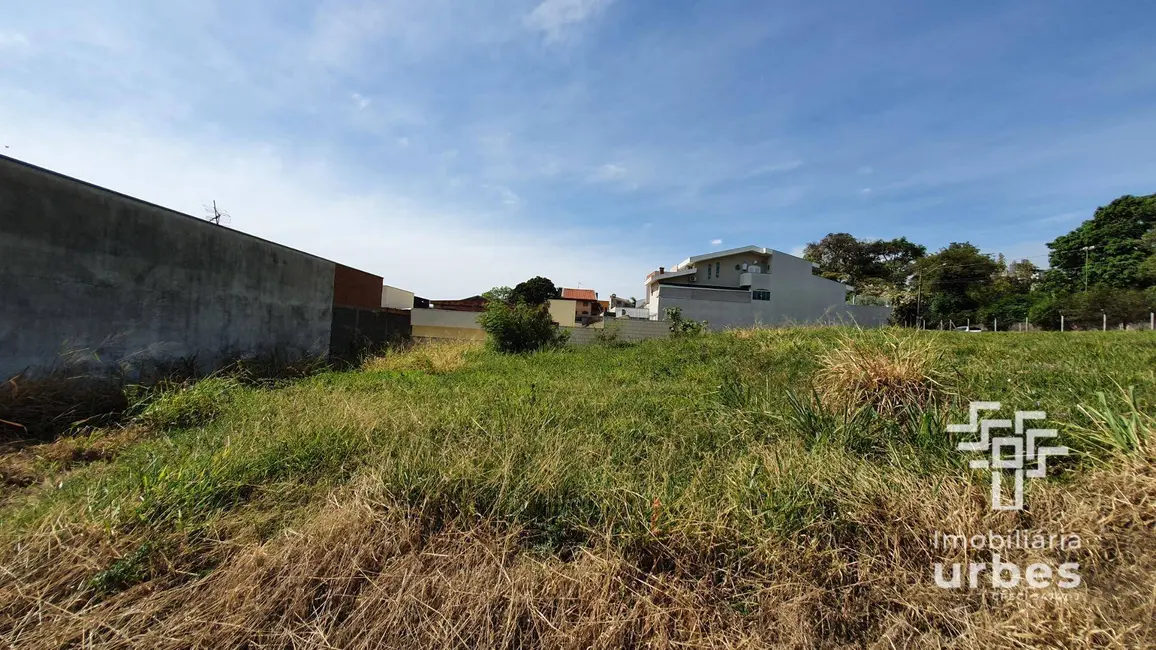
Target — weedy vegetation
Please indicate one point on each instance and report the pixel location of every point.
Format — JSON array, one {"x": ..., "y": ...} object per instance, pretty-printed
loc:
[{"x": 743, "y": 489}]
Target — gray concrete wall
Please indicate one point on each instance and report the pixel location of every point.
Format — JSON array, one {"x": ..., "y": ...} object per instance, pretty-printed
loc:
[
  {"x": 625, "y": 330},
  {"x": 86, "y": 269}
]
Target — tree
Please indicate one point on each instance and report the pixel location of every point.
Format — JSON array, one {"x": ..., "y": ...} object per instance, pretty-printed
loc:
[
  {"x": 864, "y": 263},
  {"x": 1110, "y": 243},
  {"x": 840, "y": 257},
  {"x": 535, "y": 291},
  {"x": 893, "y": 258},
  {"x": 520, "y": 327},
  {"x": 954, "y": 282},
  {"x": 498, "y": 294}
]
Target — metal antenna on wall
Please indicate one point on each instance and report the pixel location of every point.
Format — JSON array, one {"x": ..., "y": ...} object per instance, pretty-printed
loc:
[{"x": 216, "y": 216}]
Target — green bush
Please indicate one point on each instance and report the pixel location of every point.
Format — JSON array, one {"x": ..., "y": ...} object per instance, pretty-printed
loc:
[
  {"x": 681, "y": 326},
  {"x": 521, "y": 327}
]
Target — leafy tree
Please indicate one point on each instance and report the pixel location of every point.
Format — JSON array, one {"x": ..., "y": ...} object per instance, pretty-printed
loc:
[
  {"x": 1119, "y": 254},
  {"x": 498, "y": 294},
  {"x": 871, "y": 266},
  {"x": 520, "y": 327},
  {"x": 1045, "y": 311},
  {"x": 954, "y": 282},
  {"x": 535, "y": 291},
  {"x": 840, "y": 257},
  {"x": 893, "y": 258}
]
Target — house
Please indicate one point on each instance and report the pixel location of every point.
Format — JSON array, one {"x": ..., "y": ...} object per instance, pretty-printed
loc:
[
  {"x": 587, "y": 308},
  {"x": 616, "y": 302},
  {"x": 753, "y": 285},
  {"x": 629, "y": 312}
]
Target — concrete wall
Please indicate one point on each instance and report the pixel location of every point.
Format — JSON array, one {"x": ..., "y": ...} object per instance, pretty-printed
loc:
[
  {"x": 357, "y": 331},
  {"x": 563, "y": 311},
  {"x": 394, "y": 298},
  {"x": 446, "y": 324},
  {"x": 85, "y": 268},
  {"x": 626, "y": 330}
]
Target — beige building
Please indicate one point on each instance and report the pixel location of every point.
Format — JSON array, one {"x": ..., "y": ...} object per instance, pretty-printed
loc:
[
  {"x": 395, "y": 298},
  {"x": 752, "y": 285}
]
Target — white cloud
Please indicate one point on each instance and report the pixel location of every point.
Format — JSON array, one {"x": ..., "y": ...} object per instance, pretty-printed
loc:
[
  {"x": 865, "y": 190},
  {"x": 778, "y": 168},
  {"x": 865, "y": 170},
  {"x": 553, "y": 17},
  {"x": 716, "y": 242},
  {"x": 13, "y": 41},
  {"x": 310, "y": 206},
  {"x": 361, "y": 101},
  {"x": 797, "y": 251},
  {"x": 609, "y": 172}
]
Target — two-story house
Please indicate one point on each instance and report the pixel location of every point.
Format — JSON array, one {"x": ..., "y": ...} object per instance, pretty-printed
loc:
[{"x": 752, "y": 285}]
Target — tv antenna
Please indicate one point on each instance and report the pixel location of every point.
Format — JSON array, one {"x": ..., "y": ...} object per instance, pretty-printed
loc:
[{"x": 216, "y": 216}]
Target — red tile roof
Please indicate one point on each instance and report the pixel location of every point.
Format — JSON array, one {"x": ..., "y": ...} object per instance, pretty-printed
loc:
[{"x": 579, "y": 294}]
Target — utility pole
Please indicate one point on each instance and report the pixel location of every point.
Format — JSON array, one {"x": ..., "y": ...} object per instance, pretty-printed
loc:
[
  {"x": 1086, "y": 250},
  {"x": 919, "y": 295}
]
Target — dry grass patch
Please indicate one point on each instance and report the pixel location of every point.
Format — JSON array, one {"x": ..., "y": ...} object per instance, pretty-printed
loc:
[
  {"x": 434, "y": 357},
  {"x": 365, "y": 573},
  {"x": 889, "y": 372}
]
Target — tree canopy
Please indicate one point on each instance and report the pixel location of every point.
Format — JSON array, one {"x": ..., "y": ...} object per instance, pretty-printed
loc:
[
  {"x": 959, "y": 283},
  {"x": 535, "y": 291}
]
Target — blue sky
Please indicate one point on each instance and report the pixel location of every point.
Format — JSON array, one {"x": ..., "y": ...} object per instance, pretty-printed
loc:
[{"x": 453, "y": 146}]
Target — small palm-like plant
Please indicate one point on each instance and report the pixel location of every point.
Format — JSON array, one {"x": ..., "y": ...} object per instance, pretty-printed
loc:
[{"x": 1113, "y": 430}]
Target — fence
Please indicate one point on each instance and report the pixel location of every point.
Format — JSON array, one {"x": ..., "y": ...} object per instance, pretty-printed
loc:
[
  {"x": 626, "y": 330},
  {"x": 1067, "y": 323}
]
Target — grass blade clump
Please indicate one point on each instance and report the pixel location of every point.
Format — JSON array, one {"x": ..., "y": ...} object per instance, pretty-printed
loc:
[
  {"x": 888, "y": 372},
  {"x": 191, "y": 405},
  {"x": 1125, "y": 429}
]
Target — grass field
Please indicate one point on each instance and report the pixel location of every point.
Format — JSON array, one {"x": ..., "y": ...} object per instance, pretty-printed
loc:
[{"x": 743, "y": 489}]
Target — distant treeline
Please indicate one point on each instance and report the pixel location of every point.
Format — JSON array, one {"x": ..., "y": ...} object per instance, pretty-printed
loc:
[{"x": 1107, "y": 265}]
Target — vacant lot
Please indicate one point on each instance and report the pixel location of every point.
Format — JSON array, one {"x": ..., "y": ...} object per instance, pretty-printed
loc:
[{"x": 776, "y": 487}]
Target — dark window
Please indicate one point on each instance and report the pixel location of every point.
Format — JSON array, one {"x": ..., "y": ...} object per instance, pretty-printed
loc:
[
  {"x": 717, "y": 269},
  {"x": 708, "y": 271},
  {"x": 760, "y": 295}
]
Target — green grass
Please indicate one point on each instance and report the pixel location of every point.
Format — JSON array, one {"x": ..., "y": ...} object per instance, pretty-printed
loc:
[
  {"x": 725, "y": 431},
  {"x": 701, "y": 488}
]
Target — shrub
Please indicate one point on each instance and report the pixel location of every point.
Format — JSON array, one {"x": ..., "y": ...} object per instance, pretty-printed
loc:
[
  {"x": 521, "y": 327},
  {"x": 680, "y": 326}
]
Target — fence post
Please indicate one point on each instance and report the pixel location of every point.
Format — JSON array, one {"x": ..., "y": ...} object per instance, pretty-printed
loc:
[
  {"x": 1061, "y": 322},
  {"x": 1105, "y": 327},
  {"x": 995, "y": 324},
  {"x": 1152, "y": 320}
]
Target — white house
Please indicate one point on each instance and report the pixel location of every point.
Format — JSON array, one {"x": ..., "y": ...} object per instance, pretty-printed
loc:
[{"x": 752, "y": 285}]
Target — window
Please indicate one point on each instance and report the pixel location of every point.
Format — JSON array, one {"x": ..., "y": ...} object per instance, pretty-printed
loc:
[
  {"x": 718, "y": 269},
  {"x": 708, "y": 271},
  {"x": 760, "y": 295}
]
